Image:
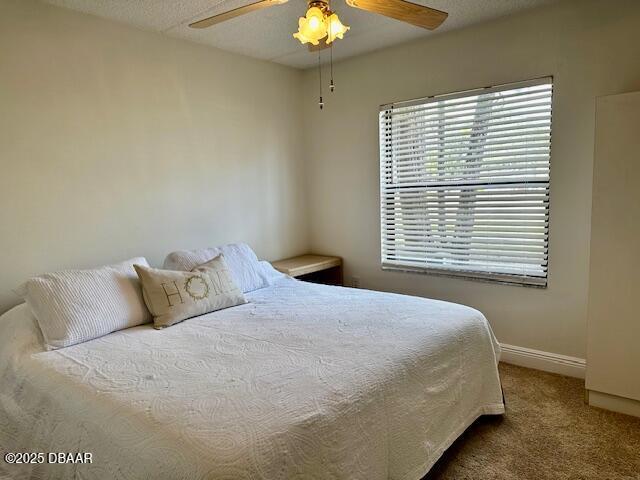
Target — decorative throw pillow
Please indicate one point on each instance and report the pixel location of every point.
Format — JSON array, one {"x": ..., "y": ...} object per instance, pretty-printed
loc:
[
  {"x": 73, "y": 306},
  {"x": 246, "y": 270},
  {"x": 173, "y": 296}
]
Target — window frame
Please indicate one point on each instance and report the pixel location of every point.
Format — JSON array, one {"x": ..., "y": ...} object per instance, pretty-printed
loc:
[{"x": 385, "y": 152}]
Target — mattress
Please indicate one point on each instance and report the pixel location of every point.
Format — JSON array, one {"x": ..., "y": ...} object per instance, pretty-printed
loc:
[{"x": 305, "y": 381}]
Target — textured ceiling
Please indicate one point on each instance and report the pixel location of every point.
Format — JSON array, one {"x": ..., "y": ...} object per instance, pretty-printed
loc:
[{"x": 267, "y": 34}]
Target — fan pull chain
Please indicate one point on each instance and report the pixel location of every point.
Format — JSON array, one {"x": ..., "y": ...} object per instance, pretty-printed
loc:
[
  {"x": 320, "y": 103},
  {"x": 331, "y": 84}
]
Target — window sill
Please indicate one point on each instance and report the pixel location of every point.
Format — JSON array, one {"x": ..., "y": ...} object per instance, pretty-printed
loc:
[{"x": 504, "y": 279}]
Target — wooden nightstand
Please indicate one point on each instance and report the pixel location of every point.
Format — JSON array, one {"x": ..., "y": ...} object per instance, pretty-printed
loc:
[{"x": 312, "y": 268}]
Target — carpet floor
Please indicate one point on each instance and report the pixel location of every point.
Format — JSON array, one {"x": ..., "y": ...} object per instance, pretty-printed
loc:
[{"x": 548, "y": 432}]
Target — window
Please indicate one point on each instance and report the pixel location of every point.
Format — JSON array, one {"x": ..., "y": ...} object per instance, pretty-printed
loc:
[{"x": 464, "y": 183}]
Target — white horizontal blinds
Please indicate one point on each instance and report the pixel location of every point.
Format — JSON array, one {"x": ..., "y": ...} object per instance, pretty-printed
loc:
[{"x": 465, "y": 183}]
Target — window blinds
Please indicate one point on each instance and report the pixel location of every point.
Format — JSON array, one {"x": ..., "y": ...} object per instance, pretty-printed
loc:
[{"x": 464, "y": 183}]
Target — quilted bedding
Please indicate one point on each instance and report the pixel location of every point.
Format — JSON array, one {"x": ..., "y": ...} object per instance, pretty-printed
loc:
[{"x": 305, "y": 381}]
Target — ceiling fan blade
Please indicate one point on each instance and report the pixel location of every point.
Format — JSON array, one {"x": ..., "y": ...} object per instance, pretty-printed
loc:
[
  {"x": 236, "y": 12},
  {"x": 417, "y": 15}
]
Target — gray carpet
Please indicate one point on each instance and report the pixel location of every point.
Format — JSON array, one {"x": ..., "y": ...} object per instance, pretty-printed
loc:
[{"x": 548, "y": 432}]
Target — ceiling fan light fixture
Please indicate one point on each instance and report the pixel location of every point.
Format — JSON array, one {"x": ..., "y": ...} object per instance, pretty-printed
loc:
[
  {"x": 335, "y": 28},
  {"x": 320, "y": 23},
  {"x": 312, "y": 27}
]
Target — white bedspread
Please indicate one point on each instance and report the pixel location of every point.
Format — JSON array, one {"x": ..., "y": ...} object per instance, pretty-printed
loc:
[{"x": 306, "y": 381}]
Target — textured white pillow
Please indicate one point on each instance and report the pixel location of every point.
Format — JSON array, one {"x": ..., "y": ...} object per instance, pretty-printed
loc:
[
  {"x": 73, "y": 306},
  {"x": 175, "y": 295},
  {"x": 247, "y": 271},
  {"x": 270, "y": 274}
]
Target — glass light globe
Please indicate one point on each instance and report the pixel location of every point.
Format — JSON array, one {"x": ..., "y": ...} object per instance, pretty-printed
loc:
[
  {"x": 335, "y": 28},
  {"x": 312, "y": 27}
]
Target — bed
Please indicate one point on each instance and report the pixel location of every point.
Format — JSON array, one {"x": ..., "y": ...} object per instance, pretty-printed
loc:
[{"x": 304, "y": 381}]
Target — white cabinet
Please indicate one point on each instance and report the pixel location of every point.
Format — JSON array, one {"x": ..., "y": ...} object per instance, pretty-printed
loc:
[{"x": 613, "y": 338}]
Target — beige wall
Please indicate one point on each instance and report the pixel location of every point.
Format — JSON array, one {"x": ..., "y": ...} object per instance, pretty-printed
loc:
[
  {"x": 589, "y": 49},
  {"x": 116, "y": 142}
]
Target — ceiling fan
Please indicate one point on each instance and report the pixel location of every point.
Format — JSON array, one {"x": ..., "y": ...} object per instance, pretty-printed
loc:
[{"x": 320, "y": 22}]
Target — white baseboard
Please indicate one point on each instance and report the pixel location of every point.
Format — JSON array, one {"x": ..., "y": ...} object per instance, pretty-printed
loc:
[
  {"x": 614, "y": 403},
  {"x": 539, "y": 360}
]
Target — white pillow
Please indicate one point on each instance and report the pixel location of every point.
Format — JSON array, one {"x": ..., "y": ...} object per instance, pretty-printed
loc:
[
  {"x": 269, "y": 273},
  {"x": 175, "y": 295},
  {"x": 247, "y": 271},
  {"x": 73, "y": 306}
]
